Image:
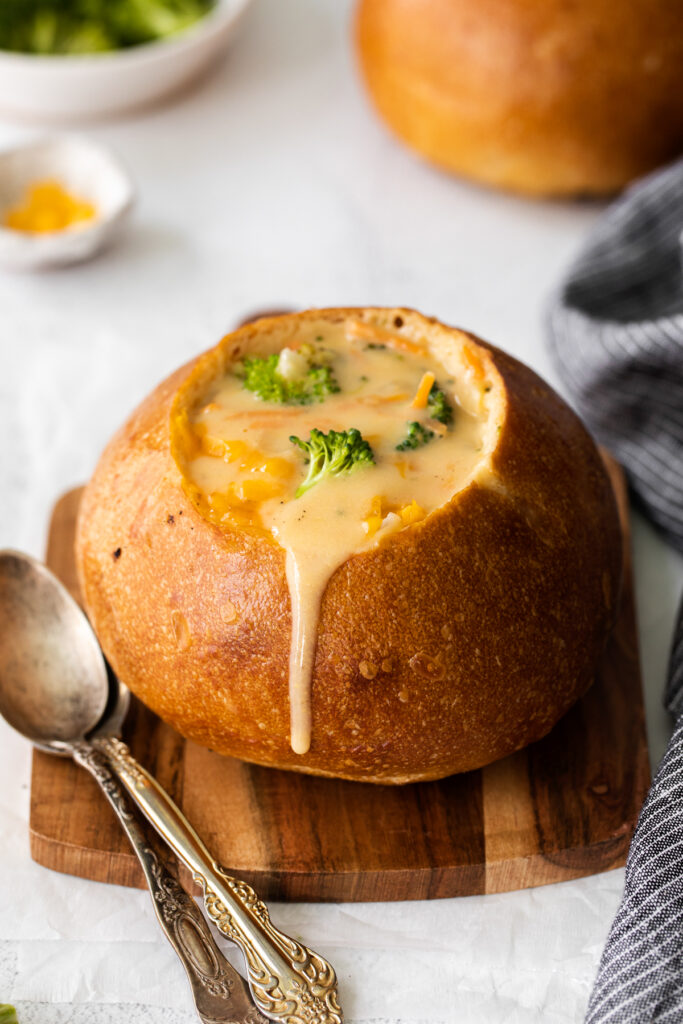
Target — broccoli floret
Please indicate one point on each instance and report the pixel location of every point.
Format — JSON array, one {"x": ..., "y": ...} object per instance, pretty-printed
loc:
[
  {"x": 416, "y": 436},
  {"x": 331, "y": 454},
  {"x": 260, "y": 375},
  {"x": 8, "y": 1015},
  {"x": 439, "y": 407}
]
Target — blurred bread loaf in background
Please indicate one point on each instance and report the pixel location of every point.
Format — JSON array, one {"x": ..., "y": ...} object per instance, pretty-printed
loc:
[{"x": 543, "y": 97}]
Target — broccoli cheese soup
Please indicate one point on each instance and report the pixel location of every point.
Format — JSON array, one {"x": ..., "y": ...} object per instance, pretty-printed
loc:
[{"x": 342, "y": 437}]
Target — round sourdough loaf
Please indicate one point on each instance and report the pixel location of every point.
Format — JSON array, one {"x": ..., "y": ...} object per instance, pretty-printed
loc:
[
  {"x": 485, "y": 620},
  {"x": 543, "y": 97}
]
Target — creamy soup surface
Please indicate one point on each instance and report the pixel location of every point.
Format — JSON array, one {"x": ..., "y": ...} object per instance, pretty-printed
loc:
[{"x": 249, "y": 471}]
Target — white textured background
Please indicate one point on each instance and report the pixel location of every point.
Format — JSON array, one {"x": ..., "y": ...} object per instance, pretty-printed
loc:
[{"x": 273, "y": 185}]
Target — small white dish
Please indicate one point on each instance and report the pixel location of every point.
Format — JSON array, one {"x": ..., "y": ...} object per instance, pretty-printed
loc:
[
  {"x": 85, "y": 170},
  {"x": 88, "y": 86}
]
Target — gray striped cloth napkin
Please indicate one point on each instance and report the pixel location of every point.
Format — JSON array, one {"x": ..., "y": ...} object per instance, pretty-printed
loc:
[{"x": 616, "y": 333}]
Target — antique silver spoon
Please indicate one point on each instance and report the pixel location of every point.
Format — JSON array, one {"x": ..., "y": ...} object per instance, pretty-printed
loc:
[
  {"x": 32, "y": 679},
  {"x": 54, "y": 689}
]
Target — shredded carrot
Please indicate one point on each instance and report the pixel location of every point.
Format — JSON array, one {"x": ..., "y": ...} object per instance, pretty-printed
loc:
[
  {"x": 437, "y": 427},
  {"x": 359, "y": 330},
  {"x": 398, "y": 396},
  {"x": 422, "y": 393},
  {"x": 473, "y": 361}
]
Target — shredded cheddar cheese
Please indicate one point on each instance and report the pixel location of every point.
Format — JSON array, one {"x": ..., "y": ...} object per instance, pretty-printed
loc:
[
  {"x": 372, "y": 524},
  {"x": 46, "y": 207},
  {"x": 220, "y": 449},
  {"x": 280, "y": 469},
  {"x": 380, "y": 516},
  {"x": 411, "y": 513},
  {"x": 256, "y": 490},
  {"x": 373, "y": 519}
]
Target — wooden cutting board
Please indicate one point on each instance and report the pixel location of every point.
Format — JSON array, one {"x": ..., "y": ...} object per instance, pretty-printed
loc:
[{"x": 564, "y": 807}]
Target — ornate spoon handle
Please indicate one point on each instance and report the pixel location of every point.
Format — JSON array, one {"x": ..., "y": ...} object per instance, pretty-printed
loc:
[
  {"x": 289, "y": 982},
  {"x": 220, "y": 994}
]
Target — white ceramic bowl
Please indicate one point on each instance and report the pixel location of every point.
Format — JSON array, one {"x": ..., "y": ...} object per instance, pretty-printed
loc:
[
  {"x": 84, "y": 87},
  {"x": 86, "y": 170}
]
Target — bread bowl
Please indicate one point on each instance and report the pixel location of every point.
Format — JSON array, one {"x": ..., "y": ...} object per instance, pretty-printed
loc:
[
  {"x": 438, "y": 639},
  {"x": 543, "y": 98}
]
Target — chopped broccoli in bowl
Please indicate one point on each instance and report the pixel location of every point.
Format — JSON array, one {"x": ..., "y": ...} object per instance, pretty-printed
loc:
[{"x": 92, "y": 26}]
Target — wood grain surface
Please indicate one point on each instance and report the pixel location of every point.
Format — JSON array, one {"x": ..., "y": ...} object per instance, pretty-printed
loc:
[{"x": 564, "y": 807}]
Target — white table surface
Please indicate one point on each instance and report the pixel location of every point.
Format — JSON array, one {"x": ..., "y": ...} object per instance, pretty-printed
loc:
[{"x": 274, "y": 185}]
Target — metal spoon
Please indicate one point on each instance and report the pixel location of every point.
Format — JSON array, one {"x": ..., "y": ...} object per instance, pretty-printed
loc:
[
  {"x": 54, "y": 689},
  {"x": 221, "y": 995},
  {"x": 37, "y": 680}
]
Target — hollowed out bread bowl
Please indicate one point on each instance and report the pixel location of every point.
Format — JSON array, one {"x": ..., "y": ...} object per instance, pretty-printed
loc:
[
  {"x": 452, "y": 642},
  {"x": 544, "y": 97}
]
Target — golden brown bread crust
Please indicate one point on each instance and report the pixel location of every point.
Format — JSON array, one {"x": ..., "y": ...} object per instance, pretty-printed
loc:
[
  {"x": 487, "y": 618},
  {"x": 538, "y": 96}
]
